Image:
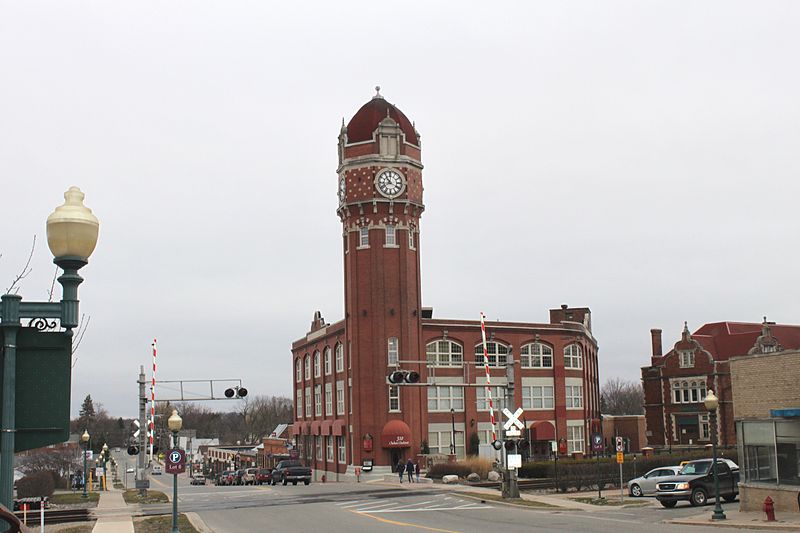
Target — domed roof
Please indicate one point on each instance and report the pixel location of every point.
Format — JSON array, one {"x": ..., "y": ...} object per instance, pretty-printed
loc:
[{"x": 366, "y": 121}]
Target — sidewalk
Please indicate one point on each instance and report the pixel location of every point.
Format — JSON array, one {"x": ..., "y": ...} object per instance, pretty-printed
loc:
[
  {"x": 739, "y": 519},
  {"x": 113, "y": 514}
]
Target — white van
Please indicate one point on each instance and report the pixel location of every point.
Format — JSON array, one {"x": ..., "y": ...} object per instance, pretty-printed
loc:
[{"x": 157, "y": 470}]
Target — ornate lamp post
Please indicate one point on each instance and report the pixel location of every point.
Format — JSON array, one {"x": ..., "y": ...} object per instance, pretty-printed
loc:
[
  {"x": 175, "y": 422},
  {"x": 71, "y": 235},
  {"x": 712, "y": 402},
  {"x": 453, "y": 434},
  {"x": 85, "y": 440},
  {"x": 104, "y": 458}
]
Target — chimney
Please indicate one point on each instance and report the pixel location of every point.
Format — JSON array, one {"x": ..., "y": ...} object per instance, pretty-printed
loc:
[{"x": 655, "y": 336}]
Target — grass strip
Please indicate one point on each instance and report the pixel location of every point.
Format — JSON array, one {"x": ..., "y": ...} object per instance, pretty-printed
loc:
[
  {"x": 499, "y": 498},
  {"x": 153, "y": 496},
  {"x": 162, "y": 524},
  {"x": 72, "y": 498}
]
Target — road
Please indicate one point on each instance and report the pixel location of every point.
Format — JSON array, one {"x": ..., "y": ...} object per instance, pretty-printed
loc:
[{"x": 354, "y": 508}]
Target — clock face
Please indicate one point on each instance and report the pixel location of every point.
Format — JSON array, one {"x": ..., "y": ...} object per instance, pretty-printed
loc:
[
  {"x": 341, "y": 190},
  {"x": 390, "y": 183}
]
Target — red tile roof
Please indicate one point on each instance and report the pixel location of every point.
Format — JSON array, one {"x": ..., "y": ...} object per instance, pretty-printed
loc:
[
  {"x": 727, "y": 339},
  {"x": 366, "y": 120}
]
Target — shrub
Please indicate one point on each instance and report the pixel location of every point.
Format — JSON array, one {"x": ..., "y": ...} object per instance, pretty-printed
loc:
[
  {"x": 35, "y": 485},
  {"x": 461, "y": 468}
]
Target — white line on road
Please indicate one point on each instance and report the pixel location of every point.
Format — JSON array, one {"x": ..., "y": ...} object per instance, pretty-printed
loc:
[
  {"x": 345, "y": 503},
  {"x": 425, "y": 509},
  {"x": 375, "y": 506},
  {"x": 356, "y": 504}
]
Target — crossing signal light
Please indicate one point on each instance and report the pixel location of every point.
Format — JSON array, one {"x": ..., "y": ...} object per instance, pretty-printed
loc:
[
  {"x": 509, "y": 444},
  {"x": 133, "y": 450},
  {"x": 523, "y": 444},
  {"x": 497, "y": 445},
  {"x": 238, "y": 392},
  {"x": 398, "y": 377}
]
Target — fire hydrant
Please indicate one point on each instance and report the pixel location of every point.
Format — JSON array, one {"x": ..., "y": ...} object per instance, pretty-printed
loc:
[{"x": 769, "y": 508}]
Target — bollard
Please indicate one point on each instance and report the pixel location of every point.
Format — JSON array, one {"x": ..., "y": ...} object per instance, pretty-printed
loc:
[{"x": 769, "y": 508}]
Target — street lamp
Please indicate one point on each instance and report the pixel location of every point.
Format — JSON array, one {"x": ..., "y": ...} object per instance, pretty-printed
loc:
[
  {"x": 175, "y": 422},
  {"x": 72, "y": 232},
  {"x": 85, "y": 440},
  {"x": 712, "y": 402},
  {"x": 453, "y": 434},
  {"x": 105, "y": 465}
]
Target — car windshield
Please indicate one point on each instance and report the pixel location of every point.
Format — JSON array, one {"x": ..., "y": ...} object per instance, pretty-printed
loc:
[{"x": 700, "y": 467}]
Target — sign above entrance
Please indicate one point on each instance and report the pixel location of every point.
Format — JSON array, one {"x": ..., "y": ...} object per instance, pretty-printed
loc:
[{"x": 396, "y": 434}]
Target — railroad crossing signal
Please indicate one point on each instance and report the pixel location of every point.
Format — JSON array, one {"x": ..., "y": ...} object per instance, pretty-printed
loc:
[
  {"x": 620, "y": 444},
  {"x": 513, "y": 419}
]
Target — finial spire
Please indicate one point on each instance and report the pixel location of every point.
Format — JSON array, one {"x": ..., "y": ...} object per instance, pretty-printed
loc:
[{"x": 378, "y": 92}]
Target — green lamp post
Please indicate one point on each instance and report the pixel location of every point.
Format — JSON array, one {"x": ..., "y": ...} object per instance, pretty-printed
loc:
[
  {"x": 712, "y": 402},
  {"x": 72, "y": 232},
  {"x": 85, "y": 440},
  {"x": 175, "y": 423},
  {"x": 104, "y": 458}
]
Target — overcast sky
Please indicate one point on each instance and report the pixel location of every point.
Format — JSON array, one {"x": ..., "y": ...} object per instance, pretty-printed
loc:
[{"x": 639, "y": 158}]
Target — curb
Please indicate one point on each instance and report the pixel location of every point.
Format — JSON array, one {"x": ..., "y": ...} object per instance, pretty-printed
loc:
[
  {"x": 198, "y": 523},
  {"x": 735, "y": 525}
]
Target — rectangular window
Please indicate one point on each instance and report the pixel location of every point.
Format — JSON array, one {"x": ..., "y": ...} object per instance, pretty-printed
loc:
[
  {"x": 308, "y": 367},
  {"x": 318, "y": 445},
  {"x": 686, "y": 359},
  {"x": 445, "y": 398},
  {"x": 411, "y": 238},
  {"x": 574, "y": 396},
  {"x": 317, "y": 365},
  {"x": 539, "y": 397},
  {"x": 498, "y": 399},
  {"x": 327, "y": 361},
  {"x": 574, "y": 439},
  {"x": 390, "y": 235},
  {"x": 339, "y": 358},
  {"x": 329, "y": 398},
  {"x": 363, "y": 237},
  {"x": 393, "y": 351},
  {"x": 308, "y": 402},
  {"x": 439, "y": 442},
  {"x": 692, "y": 390},
  {"x": 318, "y": 400},
  {"x": 329, "y": 450},
  {"x": 394, "y": 398},
  {"x": 340, "y": 397},
  {"x": 342, "y": 450},
  {"x": 704, "y": 433},
  {"x": 299, "y": 403},
  {"x": 298, "y": 371}
]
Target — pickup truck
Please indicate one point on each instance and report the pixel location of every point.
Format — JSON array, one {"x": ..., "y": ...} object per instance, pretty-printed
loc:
[
  {"x": 293, "y": 471},
  {"x": 695, "y": 483}
]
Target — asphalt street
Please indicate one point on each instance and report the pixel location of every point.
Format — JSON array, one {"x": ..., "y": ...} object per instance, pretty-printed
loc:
[{"x": 353, "y": 507}]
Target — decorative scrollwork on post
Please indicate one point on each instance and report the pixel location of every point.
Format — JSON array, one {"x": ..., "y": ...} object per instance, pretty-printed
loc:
[{"x": 42, "y": 324}]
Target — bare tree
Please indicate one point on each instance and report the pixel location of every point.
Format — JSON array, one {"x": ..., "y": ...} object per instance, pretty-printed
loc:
[
  {"x": 14, "y": 288},
  {"x": 620, "y": 397}
]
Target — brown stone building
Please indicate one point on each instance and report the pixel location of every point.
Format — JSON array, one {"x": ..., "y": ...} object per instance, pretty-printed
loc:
[
  {"x": 346, "y": 412},
  {"x": 676, "y": 383}
]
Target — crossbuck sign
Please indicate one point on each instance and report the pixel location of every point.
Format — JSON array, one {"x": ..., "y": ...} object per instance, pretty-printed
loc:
[{"x": 513, "y": 420}]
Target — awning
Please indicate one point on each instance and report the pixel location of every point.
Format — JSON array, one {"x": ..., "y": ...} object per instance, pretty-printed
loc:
[
  {"x": 315, "y": 427},
  {"x": 396, "y": 434},
  {"x": 297, "y": 428},
  {"x": 338, "y": 428},
  {"x": 325, "y": 427},
  {"x": 306, "y": 428},
  {"x": 543, "y": 430}
]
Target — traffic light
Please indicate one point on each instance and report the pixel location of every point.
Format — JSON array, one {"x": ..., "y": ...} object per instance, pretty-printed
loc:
[
  {"x": 509, "y": 444},
  {"x": 399, "y": 377},
  {"x": 238, "y": 392},
  {"x": 133, "y": 450}
]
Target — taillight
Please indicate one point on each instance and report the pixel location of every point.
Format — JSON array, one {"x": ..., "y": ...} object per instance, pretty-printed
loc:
[{"x": 285, "y": 470}]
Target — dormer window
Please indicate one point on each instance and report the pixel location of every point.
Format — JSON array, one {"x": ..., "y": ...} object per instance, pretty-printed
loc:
[{"x": 686, "y": 358}]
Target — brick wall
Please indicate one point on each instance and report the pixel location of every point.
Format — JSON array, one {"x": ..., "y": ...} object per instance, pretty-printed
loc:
[{"x": 763, "y": 382}]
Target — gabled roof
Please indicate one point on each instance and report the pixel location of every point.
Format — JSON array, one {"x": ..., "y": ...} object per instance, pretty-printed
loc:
[{"x": 724, "y": 340}]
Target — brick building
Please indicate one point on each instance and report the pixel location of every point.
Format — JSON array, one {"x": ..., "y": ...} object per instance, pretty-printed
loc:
[
  {"x": 346, "y": 412},
  {"x": 676, "y": 383}
]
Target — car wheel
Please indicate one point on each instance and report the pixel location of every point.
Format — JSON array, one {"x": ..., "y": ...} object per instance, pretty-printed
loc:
[
  {"x": 699, "y": 497},
  {"x": 294, "y": 483},
  {"x": 636, "y": 490},
  {"x": 284, "y": 482},
  {"x": 729, "y": 498},
  {"x": 669, "y": 504},
  {"x": 306, "y": 482}
]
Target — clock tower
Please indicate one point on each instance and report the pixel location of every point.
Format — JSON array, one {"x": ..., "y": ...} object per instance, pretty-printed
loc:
[{"x": 380, "y": 205}]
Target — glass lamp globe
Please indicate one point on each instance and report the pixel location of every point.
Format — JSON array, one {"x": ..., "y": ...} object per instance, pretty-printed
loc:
[{"x": 72, "y": 228}]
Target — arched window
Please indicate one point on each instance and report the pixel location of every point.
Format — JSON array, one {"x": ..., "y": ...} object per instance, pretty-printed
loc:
[
  {"x": 496, "y": 352},
  {"x": 444, "y": 353},
  {"x": 536, "y": 355},
  {"x": 339, "y": 357},
  {"x": 308, "y": 367},
  {"x": 328, "y": 362},
  {"x": 298, "y": 370},
  {"x": 317, "y": 366},
  {"x": 573, "y": 356}
]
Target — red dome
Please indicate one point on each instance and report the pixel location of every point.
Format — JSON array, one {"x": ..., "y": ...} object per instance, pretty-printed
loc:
[{"x": 366, "y": 121}]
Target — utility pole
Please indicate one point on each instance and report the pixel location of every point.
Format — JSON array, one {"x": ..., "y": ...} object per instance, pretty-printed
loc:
[
  {"x": 141, "y": 468},
  {"x": 510, "y": 485}
]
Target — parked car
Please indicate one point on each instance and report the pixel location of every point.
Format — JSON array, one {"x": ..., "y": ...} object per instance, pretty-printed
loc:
[
  {"x": 695, "y": 483},
  {"x": 238, "y": 477},
  {"x": 646, "y": 485},
  {"x": 264, "y": 475},
  {"x": 225, "y": 477},
  {"x": 198, "y": 479},
  {"x": 293, "y": 471},
  {"x": 249, "y": 476},
  {"x": 157, "y": 470},
  {"x": 130, "y": 470}
]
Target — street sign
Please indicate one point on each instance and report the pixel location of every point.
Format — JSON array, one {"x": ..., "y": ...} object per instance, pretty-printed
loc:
[
  {"x": 175, "y": 462},
  {"x": 597, "y": 442},
  {"x": 142, "y": 483},
  {"x": 513, "y": 419},
  {"x": 620, "y": 444},
  {"x": 514, "y": 460},
  {"x": 620, "y": 457},
  {"x": 89, "y": 455},
  {"x": 513, "y": 432},
  {"x": 99, "y": 471}
]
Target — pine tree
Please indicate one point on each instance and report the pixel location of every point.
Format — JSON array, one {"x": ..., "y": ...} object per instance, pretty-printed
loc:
[{"x": 87, "y": 414}]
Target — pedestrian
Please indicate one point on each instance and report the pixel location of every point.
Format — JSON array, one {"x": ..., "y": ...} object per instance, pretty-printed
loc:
[
  {"x": 400, "y": 468},
  {"x": 416, "y": 469},
  {"x": 410, "y": 470}
]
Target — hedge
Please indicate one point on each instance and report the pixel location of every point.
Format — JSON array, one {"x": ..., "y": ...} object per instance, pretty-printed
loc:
[{"x": 35, "y": 485}]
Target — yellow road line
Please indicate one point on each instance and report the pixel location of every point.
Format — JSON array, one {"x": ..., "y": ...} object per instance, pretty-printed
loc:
[{"x": 405, "y": 524}]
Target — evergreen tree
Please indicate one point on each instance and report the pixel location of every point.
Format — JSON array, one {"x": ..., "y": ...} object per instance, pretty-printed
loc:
[{"x": 87, "y": 413}]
